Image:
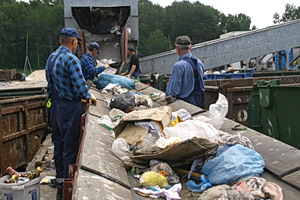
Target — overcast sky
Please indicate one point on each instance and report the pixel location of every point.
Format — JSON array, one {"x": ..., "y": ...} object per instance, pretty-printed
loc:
[{"x": 260, "y": 11}]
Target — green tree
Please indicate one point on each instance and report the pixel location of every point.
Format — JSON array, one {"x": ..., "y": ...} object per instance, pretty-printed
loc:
[
  {"x": 240, "y": 22},
  {"x": 196, "y": 20},
  {"x": 151, "y": 22},
  {"x": 291, "y": 12},
  {"x": 155, "y": 43}
]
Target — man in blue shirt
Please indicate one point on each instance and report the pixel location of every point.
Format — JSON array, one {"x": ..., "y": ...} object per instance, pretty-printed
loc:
[
  {"x": 186, "y": 81},
  {"x": 66, "y": 88},
  {"x": 88, "y": 63}
]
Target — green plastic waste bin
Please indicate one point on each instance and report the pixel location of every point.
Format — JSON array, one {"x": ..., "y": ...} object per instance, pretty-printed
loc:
[{"x": 274, "y": 110}]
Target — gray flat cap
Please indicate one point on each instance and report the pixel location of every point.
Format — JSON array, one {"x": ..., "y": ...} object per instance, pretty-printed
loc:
[{"x": 183, "y": 40}]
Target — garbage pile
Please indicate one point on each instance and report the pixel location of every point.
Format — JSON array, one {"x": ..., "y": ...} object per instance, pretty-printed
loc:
[
  {"x": 17, "y": 177},
  {"x": 168, "y": 151}
]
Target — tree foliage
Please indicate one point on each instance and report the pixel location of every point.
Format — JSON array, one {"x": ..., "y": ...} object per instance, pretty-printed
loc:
[
  {"x": 41, "y": 20},
  {"x": 158, "y": 26},
  {"x": 291, "y": 12},
  {"x": 200, "y": 22}
]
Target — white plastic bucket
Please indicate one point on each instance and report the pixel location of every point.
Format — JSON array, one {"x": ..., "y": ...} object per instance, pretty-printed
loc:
[{"x": 20, "y": 191}]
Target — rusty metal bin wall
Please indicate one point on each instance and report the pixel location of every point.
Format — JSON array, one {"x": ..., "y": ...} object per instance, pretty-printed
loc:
[
  {"x": 23, "y": 122},
  {"x": 237, "y": 92}
]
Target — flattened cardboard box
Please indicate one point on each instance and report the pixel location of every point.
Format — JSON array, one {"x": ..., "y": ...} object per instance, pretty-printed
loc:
[
  {"x": 162, "y": 114},
  {"x": 185, "y": 152}
]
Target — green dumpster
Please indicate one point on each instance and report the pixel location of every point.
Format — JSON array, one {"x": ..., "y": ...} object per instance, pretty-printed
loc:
[{"x": 274, "y": 110}]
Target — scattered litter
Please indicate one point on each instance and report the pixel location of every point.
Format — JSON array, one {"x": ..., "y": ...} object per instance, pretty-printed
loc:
[
  {"x": 108, "y": 123},
  {"x": 124, "y": 102},
  {"x": 170, "y": 194},
  {"x": 48, "y": 180},
  {"x": 217, "y": 112},
  {"x": 229, "y": 139},
  {"x": 233, "y": 164},
  {"x": 105, "y": 79},
  {"x": 116, "y": 113},
  {"x": 120, "y": 148},
  {"x": 153, "y": 179},
  {"x": 192, "y": 128},
  {"x": 109, "y": 88},
  {"x": 194, "y": 187},
  {"x": 159, "y": 166}
]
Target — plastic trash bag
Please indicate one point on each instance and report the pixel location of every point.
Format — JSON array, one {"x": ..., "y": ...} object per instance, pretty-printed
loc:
[
  {"x": 107, "y": 122},
  {"x": 124, "y": 102},
  {"x": 232, "y": 164},
  {"x": 194, "y": 187},
  {"x": 109, "y": 88},
  {"x": 180, "y": 116},
  {"x": 105, "y": 79},
  {"x": 153, "y": 179},
  {"x": 164, "y": 143},
  {"x": 116, "y": 113},
  {"x": 217, "y": 112},
  {"x": 148, "y": 144},
  {"x": 183, "y": 114},
  {"x": 120, "y": 148},
  {"x": 158, "y": 166},
  {"x": 192, "y": 128}
]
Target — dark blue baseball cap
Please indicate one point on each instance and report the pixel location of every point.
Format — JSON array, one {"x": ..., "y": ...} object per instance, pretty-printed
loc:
[
  {"x": 94, "y": 45},
  {"x": 70, "y": 32},
  {"x": 130, "y": 48}
]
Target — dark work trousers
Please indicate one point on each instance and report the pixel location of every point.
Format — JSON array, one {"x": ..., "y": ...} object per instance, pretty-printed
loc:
[{"x": 65, "y": 120}]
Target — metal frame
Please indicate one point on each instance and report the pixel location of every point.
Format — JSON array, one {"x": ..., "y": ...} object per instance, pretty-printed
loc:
[{"x": 221, "y": 52}]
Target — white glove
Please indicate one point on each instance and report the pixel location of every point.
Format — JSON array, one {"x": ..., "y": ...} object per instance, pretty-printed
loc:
[{"x": 162, "y": 96}]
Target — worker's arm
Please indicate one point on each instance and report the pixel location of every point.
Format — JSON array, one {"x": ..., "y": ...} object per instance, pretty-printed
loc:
[
  {"x": 78, "y": 81},
  {"x": 132, "y": 70},
  {"x": 175, "y": 83},
  {"x": 89, "y": 65}
]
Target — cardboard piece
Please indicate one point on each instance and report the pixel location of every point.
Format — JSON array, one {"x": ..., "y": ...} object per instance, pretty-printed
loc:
[
  {"x": 186, "y": 151},
  {"x": 162, "y": 115},
  {"x": 133, "y": 134}
]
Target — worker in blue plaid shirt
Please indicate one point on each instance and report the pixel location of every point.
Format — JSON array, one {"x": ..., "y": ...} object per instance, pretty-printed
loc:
[
  {"x": 88, "y": 63},
  {"x": 66, "y": 88}
]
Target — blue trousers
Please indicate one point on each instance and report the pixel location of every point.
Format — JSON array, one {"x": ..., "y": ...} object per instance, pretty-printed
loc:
[{"x": 65, "y": 117}]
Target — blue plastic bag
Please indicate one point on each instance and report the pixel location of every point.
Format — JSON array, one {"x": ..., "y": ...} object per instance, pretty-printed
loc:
[
  {"x": 232, "y": 164},
  {"x": 194, "y": 187},
  {"x": 105, "y": 79}
]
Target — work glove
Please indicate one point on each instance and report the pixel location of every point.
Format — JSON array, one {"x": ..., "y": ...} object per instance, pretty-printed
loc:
[
  {"x": 92, "y": 100},
  {"x": 122, "y": 74},
  {"x": 106, "y": 65}
]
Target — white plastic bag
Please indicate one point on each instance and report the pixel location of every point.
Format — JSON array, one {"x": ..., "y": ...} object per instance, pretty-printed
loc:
[
  {"x": 192, "y": 128},
  {"x": 120, "y": 148},
  {"x": 164, "y": 143},
  {"x": 107, "y": 122},
  {"x": 217, "y": 112}
]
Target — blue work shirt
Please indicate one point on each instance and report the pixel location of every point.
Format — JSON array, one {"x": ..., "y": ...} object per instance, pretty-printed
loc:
[
  {"x": 89, "y": 69},
  {"x": 67, "y": 76},
  {"x": 181, "y": 83}
]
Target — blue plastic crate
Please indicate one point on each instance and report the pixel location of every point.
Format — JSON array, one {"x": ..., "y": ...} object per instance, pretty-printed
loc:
[{"x": 227, "y": 76}]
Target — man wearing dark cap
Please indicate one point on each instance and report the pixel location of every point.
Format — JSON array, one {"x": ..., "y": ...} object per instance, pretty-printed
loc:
[
  {"x": 186, "y": 81},
  {"x": 134, "y": 63},
  {"x": 88, "y": 63},
  {"x": 66, "y": 88}
]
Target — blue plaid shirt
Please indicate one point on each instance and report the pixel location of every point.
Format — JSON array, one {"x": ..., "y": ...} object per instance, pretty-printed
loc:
[
  {"x": 67, "y": 76},
  {"x": 88, "y": 67}
]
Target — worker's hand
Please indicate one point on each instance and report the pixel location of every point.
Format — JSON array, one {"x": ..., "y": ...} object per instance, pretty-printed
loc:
[
  {"x": 128, "y": 76},
  {"x": 122, "y": 74},
  {"x": 93, "y": 100},
  {"x": 106, "y": 65}
]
